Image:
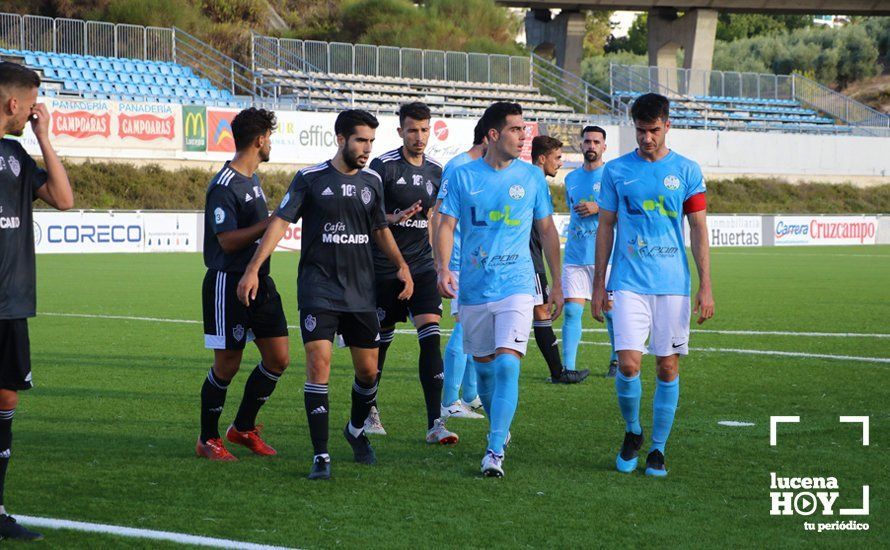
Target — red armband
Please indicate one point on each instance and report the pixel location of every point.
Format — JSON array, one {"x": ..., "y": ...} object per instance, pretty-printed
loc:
[{"x": 695, "y": 203}]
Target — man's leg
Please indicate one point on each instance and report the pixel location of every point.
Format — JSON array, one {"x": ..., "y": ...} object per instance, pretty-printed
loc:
[
  {"x": 546, "y": 340},
  {"x": 632, "y": 327},
  {"x": 213, "y": 398},
  {"x": 315, "y": 400},
  {"x": 613, "y": 358},
  {"x": 429, "y": 363},
  {"x": 258, "y": 389},
  {"x": 571, "y": 331},
  {"x": 454, "y": 365},
  {"x": 9, "y": 400},
  {"x": 469, "y": 389},
  {"x": 364, "y": 392}
]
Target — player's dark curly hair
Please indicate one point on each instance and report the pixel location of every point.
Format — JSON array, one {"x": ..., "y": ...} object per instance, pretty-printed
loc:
[
  {"x": 650, "y": 107},
  {"x": 416, "y": 110},
  {"x": 350, "y": 119},
  {"x": 251, "y": 123}
]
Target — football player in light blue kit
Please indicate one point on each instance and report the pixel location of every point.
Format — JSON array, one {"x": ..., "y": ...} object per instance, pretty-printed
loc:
[
  {"x": 458, "y": 368},
  {"x": 496, "y": 199},
  {"x": 582, "y": 190},
  {"x": 647, "y": 192}
]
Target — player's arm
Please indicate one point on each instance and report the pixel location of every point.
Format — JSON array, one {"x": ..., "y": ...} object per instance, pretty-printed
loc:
[
  {"x": 605, "y": 237},
  {"x": 402, "y": 215},
  {"x": 550, "y": 244},
  {"x": 701, "y": 253},
  {"x": 239, "y": 239},
  {"x": 250, "y": 282},
  {"x": 442, "y": 247},
  {"x": 387, "y": 244},
  {"x": 57, "y": 190},
  {"x": 289, "y": 211},
  {"x": 586, "y": 208}
]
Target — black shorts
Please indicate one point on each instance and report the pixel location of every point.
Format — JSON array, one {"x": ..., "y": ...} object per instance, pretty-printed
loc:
[
  {"x": 425, "y": 300},
  {"x": 229, "y": 324},
  {"x": 359, "y": 329},
  {"x": 542, "y": 289},
  {"x": 15, "y": 355}
]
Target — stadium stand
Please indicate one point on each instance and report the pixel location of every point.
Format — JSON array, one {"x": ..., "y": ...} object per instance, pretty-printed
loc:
[
  {"x": 125, "y": 79},
  {"x": 96, "y": 60}
]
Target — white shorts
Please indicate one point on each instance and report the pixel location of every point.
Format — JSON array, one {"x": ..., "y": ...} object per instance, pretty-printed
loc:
[
  {"x": 506, "y": 323},
  {"x": 542, "y": 289},
  {"x": 663, "y": 319},
  {"x": 455, "y": 306}
]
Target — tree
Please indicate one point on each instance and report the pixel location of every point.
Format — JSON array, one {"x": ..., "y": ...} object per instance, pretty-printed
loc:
[
  {"x": 598, "y": 30},
  {"x": 636, "y": 41},
  {"x": 734, "y": 26}
]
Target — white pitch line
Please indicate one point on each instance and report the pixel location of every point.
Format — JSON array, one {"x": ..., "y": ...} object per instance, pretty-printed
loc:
[
  {"x": 131, "y": 532},
  {"x": 557, "y": 329},
  {"x": 407, "y": 331},
  {"x": 735, "y": 423},
  {"x": 776, "y": 353}
]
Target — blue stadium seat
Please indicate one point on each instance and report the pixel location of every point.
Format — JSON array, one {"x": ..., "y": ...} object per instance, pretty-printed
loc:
[
  {"x": 184, "y": 82},
  {"x": 49, "y": 73},
  {"x": 105, "y": 65},
  {"x": 82, "y": 86},
  {"x": 165, "y": 70},
  {"x": 74, "y": 74},
  {"x": 54, "y": 61},
  {"x": 143, "y": 90},
  {"x": 93, "y": 63},
  {"x": 176, "y": 70},
  {"x": 129, "y": 67},
  {"x": 80, "y": 63},
  {"x": 168, "y": 91},
  {"x": 155, "y": 91},
  {"x": 171, "y": 80},
  {"x": 33, "y": 61},
  {"x": 118, "y": 66},
  {"x": 152, "y": 69},
  {"x": 214, "y": 93},
  {"x": 124, "y": 78},
  {"x": 87, "y": 74},
  {"x": 107, "y": 88},
  {"x": 68, "y": 63},
  {"x": 95, "y": 86},
  {"x": 120, "y": 88}
]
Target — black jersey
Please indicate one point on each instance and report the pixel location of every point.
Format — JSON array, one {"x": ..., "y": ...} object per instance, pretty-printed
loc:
[
  {"x": 20, "y": 177},
  {"x": 234, "y": 201},
  {"x": 403, "y": 185},
  {"x": 536, "y": 250},
  {"x": 339, "y": 213}
]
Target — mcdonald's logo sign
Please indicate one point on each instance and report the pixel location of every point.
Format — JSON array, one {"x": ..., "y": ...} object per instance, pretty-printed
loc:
[{"x": 194, "y": 128}]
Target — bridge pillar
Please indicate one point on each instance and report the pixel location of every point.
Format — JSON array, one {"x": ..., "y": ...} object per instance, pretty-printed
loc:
[
  {"x": 560, "y": 38},
  {"x": 695, "y": 32}
]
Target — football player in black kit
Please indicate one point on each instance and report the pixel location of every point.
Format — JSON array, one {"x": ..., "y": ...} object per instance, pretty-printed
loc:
[
  {"x": 411, "y": 183},
  {"x": 21, "y": 183},
  {"x": 235, "y": 217},
  {"x": 341, "y": 204}
]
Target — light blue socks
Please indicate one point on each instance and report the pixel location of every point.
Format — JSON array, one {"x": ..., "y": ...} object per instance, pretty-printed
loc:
[{"x": 571, "y": 333}]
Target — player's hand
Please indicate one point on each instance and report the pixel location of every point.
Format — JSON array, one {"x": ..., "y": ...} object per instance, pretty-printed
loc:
[
  {"x": 404, "y": 275},
  {"x": 399, "y": 216},
  {"x": 599, "y": 303},
  {"x": 586, "y": 208},
  {"x": 704, "y": 304},
  {"x": 40, "y": 121},
  {"x": 447, "y": 284},
  {"x": 555, "y": 302},
  {"x": 247, "y": 287}
]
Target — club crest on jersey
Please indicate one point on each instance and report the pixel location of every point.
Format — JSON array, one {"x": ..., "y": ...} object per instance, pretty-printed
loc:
[
  {"x": 15, "y": 166},
  {"x": 2, "y": 164},
  {"x": 381, "y": 314},
  {"x": 219, "y": 215},
  {"x": 429, "y": 188},
  {"x": 517, "y": 192},
  {"x": 238, "y": 332},
  {"x": 366, "y": 195},
  {"x": 309, "y": 322},
  {"x": 596, "y": 187},
  {"x": 284, "y": 200},
  {"x": 672, "y": 182}
]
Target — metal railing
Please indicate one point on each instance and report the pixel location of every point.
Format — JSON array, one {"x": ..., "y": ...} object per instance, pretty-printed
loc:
[
  {"x": 839, "y": 106},
  {"x": 570, "y": 89},
  {"x": 223, "y": 72},
  {"x": 693, "y": 83},
  {"x": 78, "y": 37},
  {"x": 393, "y": 62},
  {"x": 295, "y": 69}
]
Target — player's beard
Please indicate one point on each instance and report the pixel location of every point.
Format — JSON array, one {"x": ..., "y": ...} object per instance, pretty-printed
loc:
[
  {"x": 591, "y": 156},
  {"x": 351, "y": 160},
  {"x": 264, "y": 155}
]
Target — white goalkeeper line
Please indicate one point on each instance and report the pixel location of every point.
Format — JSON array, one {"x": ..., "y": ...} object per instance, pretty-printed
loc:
[
  {"x": 130, "y": 532},
  {"x": 777, "y": 353},
  {"x": 557, "y": 329}
]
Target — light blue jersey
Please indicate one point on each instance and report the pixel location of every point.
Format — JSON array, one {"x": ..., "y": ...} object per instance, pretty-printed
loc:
[
  {"x": 649, "y": 256},
  {"x": 450, "y": 166},
  {"x": 582, "y": 185},
  {"x": 495, "y": 211}
]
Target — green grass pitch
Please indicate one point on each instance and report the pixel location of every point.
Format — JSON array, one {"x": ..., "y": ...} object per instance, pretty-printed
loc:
[{"x": 107, "y": 435}]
